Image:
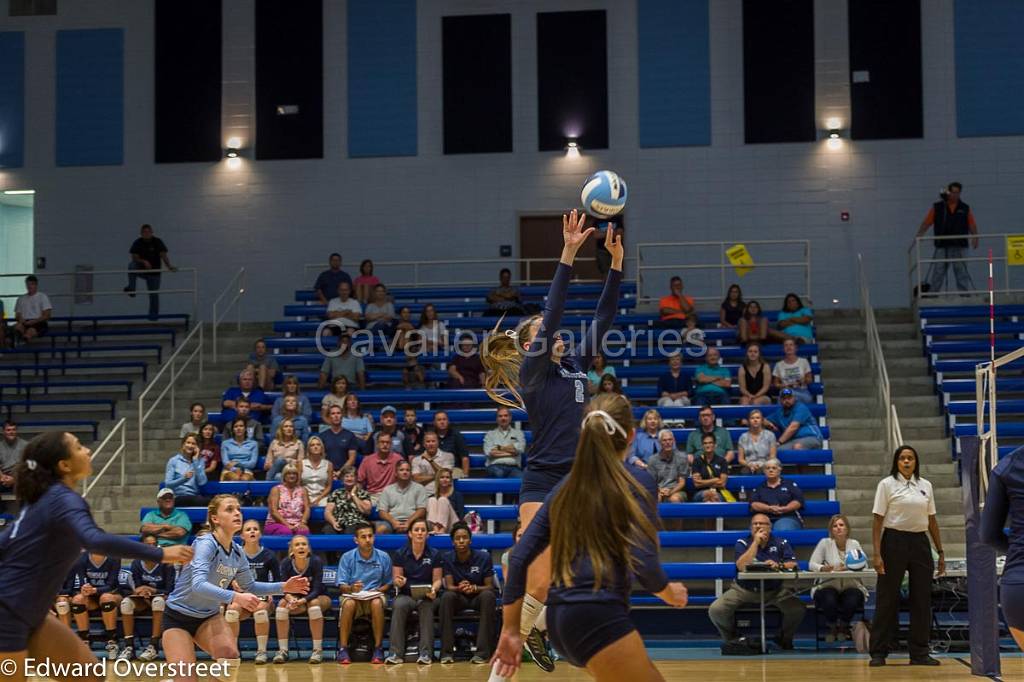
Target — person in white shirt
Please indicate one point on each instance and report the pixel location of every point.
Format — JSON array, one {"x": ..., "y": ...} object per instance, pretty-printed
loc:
[
  {"x": 504, "y": 447},
  {"x": 344, "y": 310},
  {"x": 793, "y": 372},
  {"x": 839, "y": 599},
  {"x": 32, "y": 311},
  {"x": 426, "y": 466},
  {"x": 905, "y": 508}
]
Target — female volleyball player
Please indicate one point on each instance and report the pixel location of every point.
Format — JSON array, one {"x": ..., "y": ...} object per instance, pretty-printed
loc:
[
  {"x": 532, "y": 363},
  {"x": 600, "y": 524},
  {"x": 1006, "y": 499},
  {"x": 38, "y": 549},
  {"x": 265, "y": 568},
  {"x": 193, "y": 609},
  {"x": 315, "y": 603}
]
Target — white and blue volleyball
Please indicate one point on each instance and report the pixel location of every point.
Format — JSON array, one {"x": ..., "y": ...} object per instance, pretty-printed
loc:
[
  {"x": 604, "y": 194},
  {"x": 856, "y": 560}
]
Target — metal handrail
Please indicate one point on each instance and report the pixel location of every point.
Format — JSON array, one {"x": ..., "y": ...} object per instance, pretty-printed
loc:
[
  {"x": 236, "y": 284},
  {"x": 917, "y": 265},
  {"x": 120, "y": 427},
  {"x": 176, "y": 371},
  {"x": 893, "y": 434}
]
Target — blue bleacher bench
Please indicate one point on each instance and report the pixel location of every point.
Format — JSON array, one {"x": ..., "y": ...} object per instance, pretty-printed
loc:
[
  {"x": 44, "y": 387},
  {"x": 958, "y": 312},
  {"x": 971, "y": 329},
  {"x": 429, "y": 293},
  {"x": 95, "y": 334},
  {"x": 62, "y": 367},
  {"x": 107, "y": 403},
  {"x": 1002, "y": 346},
  {"x": 94, "y": 320},
  {"x": 66, "y": 424},
  {"x": 968, "y": 365},
  {"x": 63, "y": 351}
]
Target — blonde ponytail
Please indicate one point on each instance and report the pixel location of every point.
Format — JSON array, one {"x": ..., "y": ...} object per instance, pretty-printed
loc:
[{"x": 502, "y": 356}]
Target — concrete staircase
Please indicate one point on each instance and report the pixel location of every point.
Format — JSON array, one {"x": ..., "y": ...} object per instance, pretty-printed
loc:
[{"x": 854, "y": 416}]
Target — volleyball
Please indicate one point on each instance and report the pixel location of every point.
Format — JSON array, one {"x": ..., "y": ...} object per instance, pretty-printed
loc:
[
  {"x": 856, "y": 560},
  {"x": 604, "y": 194}
]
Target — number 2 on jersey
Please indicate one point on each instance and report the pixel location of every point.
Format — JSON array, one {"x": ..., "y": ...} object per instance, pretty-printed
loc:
[{"x": 579, "y": 391}]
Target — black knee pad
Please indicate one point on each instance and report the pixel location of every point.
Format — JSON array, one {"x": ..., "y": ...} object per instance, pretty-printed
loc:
[
  {"x": 78, "y": 608},
  {"x": 107, "y": 607}
]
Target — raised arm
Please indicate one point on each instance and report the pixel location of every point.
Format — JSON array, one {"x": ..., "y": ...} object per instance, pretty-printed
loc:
[
  {"x": 606, "y": 306},
  {"x": 74, "y": 515}
]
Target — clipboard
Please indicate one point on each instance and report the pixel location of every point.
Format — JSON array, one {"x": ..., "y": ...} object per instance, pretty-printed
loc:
[{"x": 418, "y": 591}]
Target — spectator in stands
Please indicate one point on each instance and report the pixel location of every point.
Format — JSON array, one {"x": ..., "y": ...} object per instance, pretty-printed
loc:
[
  {"x": 713, "y": 380},
  {"x": 597, "y": 371},
  {"x": 504, "y": 299},
  {"x": 290, "y": 411},
  {"x": 345, "y": 311},
  {"x": 285, "y": 449},
  {"x": 755, "y": 377},
  {"x": 347, "y": 506},
  {"x": 290, "y": 386},
  {"x": 797, "y": 427},
  {"x": 197, "y": 417},
  {"x": 723, "y": 441},
  {"x": 762, "y": 546},
  {"x": 646, "y": 440},
  {"x": 327, "y": 282},
  {"x": 316, "y": 474},
  {"x": 288, "y": 506},
  {"x": 426, "y": 465},
  {"x": 32, "y": 311},
  {"x": 363, "y": 569},
  {"x": 731, "y": 310},
  {"x": 377, "y": 471},
  {"x": 336, "y": 396},
  {"x": 451, "y": 440},
  {"x": 168, "y": 525},
  {"x": 794, "y": 373},
  {"x": 433, "y": 331},
  {"x": 673, "y": 385},
  {"x": 401, "y": 502},
  {"x": 343, "y": 364},
  {"x": 246, "y": 388},
  {"x": 389, "y": 425},
  {"x": 253, "y": 427},
  {"x": 795, "y": 319},
  {"x": 359, "y": 423},
  {"x": 380, "y": 312},
  {"x": 780, "y": 500},
  {"x": 677, "y": 310},
  {"x": 669, "y": 468},
  {"x": 469, "y": 584},
  {"x": 238, "y": 454},
  {"x": 366, "y": 282},
  {"x": 757, "y": 446},
  {"x": 412, "y": 435},
  {"x": 610, "y": 384},
  {"x": 504, "y": 447},
  {"x": 839, "y": 599},
  {"x": 710, "y": 473},
  {"x": 148, "y": 252},
  {"x": 209, "y": 451},
  {"x": 339, "y": 444},
  {"x": 953, "y": 221},
  {"x": 11, "y": 447},
  {"x": 264, "y": 365},
  {"x": 466, "y": 370},
  {"x": 415, "y": 565},
  {"x": 184, "y": 474},
  {"x": 445, "y": 506},
  {"x": 403, "y": 326},
  {"x": 753, "y": 325}
]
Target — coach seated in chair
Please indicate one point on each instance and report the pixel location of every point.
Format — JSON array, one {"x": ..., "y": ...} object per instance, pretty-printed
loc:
[
  {"x": 468, "y": 584},
  {"x": 364, "y": 577}
]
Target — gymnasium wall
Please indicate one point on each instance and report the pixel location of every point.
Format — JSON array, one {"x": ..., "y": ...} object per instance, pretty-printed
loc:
[{"x": 398, "y": 196}]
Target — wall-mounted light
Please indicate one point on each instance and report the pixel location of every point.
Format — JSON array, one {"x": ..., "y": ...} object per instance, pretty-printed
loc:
[
  {"x": 231, "y": 152},
  {"x": 19, "y": 191},
  {"x": 833, "y": 133},
  {"x": 572, "y": 147}
]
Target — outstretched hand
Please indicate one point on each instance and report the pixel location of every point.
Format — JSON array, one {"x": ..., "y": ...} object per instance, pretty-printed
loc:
[
  {"x": 508, "y": 654},
  {"x": 573, "y": 233},
  {"x": 613, "y": 243}
]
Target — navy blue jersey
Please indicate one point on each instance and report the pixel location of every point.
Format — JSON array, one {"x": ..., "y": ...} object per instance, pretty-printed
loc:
[
  {"x": 1005, "y": 502},
  {"x": 417, "y": 570},
  {"x": 314, "y": 571},
  {"x": 38, "y": 549},
  {"x": 204, "y": 583},
  {"x": 103, "y": 576},
  {"x": 476, "y": 568},
  {"x": 264, "y": 565},
  {"x": 160, "y": 577},
  {"x": 615, "y": 587},
  {"x": 554, "y": 395}
]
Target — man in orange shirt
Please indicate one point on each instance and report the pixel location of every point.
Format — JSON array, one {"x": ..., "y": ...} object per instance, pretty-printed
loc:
[
  {"x": 677, "y": 309},
  {"x": 953, "y": 221}
]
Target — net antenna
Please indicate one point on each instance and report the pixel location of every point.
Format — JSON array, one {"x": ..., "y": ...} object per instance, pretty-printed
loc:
[{"x": 985, "y": 396}]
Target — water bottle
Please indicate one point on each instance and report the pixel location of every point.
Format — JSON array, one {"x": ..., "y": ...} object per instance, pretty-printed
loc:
[{"x": 743, "y": 494}]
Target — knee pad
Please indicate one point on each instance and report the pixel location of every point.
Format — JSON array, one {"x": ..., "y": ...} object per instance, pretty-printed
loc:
[
  {"x": 231, "y": 615},
  {"x": 315, "y": 613},
  {"x": 281, "y": 613},
  {"x": 108, "y": 606},
  {"x": 78, "y": 608},
  {"x": 63, "y": 608},
  {"x": 261, "y": 616},
  {"x": 127, "y": 606},
  {"x": 158, "y": 604}
]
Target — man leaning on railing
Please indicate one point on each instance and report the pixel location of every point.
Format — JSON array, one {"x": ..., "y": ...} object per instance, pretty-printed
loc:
[{"x": 953, "y": 221}]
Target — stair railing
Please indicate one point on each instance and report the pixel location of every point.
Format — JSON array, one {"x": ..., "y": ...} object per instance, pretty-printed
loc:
[
  {"x": 120, "y": 429},
  {"x": 173, "y": 367},
  {"x": 892, "y": 435}
]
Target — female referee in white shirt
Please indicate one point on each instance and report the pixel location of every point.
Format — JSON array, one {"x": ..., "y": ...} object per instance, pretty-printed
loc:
[{"x": 905, "y": 507}]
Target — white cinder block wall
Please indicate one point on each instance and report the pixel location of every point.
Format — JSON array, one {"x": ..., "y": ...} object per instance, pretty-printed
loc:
[{"x": 273, "y": 216}]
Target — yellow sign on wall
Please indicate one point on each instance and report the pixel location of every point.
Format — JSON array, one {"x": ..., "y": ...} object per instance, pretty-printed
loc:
[
  {"x": 1015, "y": 249},
  {"x": 740, "y": 259}
]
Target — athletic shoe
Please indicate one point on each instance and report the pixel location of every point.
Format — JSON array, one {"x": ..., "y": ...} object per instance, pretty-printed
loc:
[
  {"x": 111, "y": 650},
  {"x": 281, "y": 656},
  {"x": 478, "y": 660},
  {"x": 148, "y": 654},
  {"x": 317, "y": 657},
  {"x": 342, "y": 656},
  {"x": 425, "y": 659},
  {"x": 127, "y": 654},
  {"x": 876, "y": 661},
  {"x": 447, "y": 658},
  {"x": 378, "y": 656},
  {"x": 537, "y": 644},
  {"x": 261, "y": 658},
  {"x": 394, "y": 659},
  {"x": 927, "y": 660}
]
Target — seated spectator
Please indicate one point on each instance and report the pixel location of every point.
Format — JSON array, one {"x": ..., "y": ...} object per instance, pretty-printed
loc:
[
  {"x": 253, "y": 427},
  {"x": 451, "y": 440},
  {"x": 197, "y": 417},
  {"x": 415, "y": 564},
  {"x": 757, "y": 446},
  {"x": 339, "y": 389},
  {"x": 466, "y": 370},
  {"x": 377, "y": 471},
  {"x": 754, "y": 326},
  {"x": 755, "y": 377},
  {"x": 504, "y": 447},
  {"x": 713, "y": 380},
  {"x": 731, "y": 310},
  {"x": 723, "y": 441},
  {"x": 677, "y": 310},
  {"x": 762, "y": 547},
  {"x": 445, "y": 507},
  {"x": 339, "y": 444},
  {"x": 795, "y": 319},
  {"x": 238, "y": 454},
  {"x": 610, "y": 384},
  {"x": 290, "y": 387},
  {"x": 316, "y": 473},
  {"x": 246, "y": 388},
  {"x": 389, "y": 425},
  {"x": 797, "y": 427},
  {"x": 363, "y": 570},
  {"x": 345, "y": 364},
  {"x": 427, "y": 464},
  {"x": 469, "y": 584},
  {"x": 32, "y": 311},
  {"x": 433, "y": 332},
  {"x": 646, "y": 439},
  {"x": 839, "y": 599},
  {"x": 780, "y": 500},
  {"x": 168, "y": 525},
  {"x": 794, "y": 373},
  {"x": 669, "y": 468},
  {"x": 504, "y": 299},
  {"x": 290, "y": 411},
  {"x": 359, "y": 423},
  {"x": 597, "y": 371},
  {"x": 327, "y": 282},
  {"x": 264, "y": 364},
  {"x": 380, "y": 312},
  {"x": 315, "y": 603},
  {"x": 288, "y": 506},
  {"x": 412, "y": 435},
  {"x": 344, "y": 311},
  {"x": 347, "y": 506},
  {"x": 209, "y": 451},
  {"x": 710, "y": 474},
  {"x": 403, "y": 326},
  {"x": 11, "y": 448},
  {"x": 366, "y": 282},
  {"x": 673, "y": 385},
  {"x": 185, "y": 473},
  {"x": 402, "y": 502},
  {"x": 285, "y": 449}
]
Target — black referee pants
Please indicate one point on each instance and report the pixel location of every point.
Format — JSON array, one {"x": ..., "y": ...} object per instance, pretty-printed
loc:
[{"x": 903, "y": 552}]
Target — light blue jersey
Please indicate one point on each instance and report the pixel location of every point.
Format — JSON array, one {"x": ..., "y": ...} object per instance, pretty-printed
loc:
[{"x": 205, "y": 582}]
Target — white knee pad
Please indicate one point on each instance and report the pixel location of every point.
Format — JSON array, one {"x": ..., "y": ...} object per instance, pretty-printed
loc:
[
  {"x": 261, "y": 616},
  {"x": 231, "y": 615},
  {"x": 63, "y": 608},
  {"x": 127, "y": 606},
  {"x": 281, "y": 613},
  {"x": 315, "y": 613},
  {"x": 158, "y": 604}
]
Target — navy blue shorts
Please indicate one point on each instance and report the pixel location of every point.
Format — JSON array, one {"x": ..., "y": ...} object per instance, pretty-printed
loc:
[
  {"x": 537, "y": 483},
  {"x": 1011, "y": 598},
  {"x": 14, "y": 632},
  {"x": 176, "y": 619},
  {"x": 579, "y": 631}
]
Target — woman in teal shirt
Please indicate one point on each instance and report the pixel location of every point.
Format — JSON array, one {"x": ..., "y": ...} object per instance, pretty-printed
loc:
[{"x": 795, "y": 319}]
